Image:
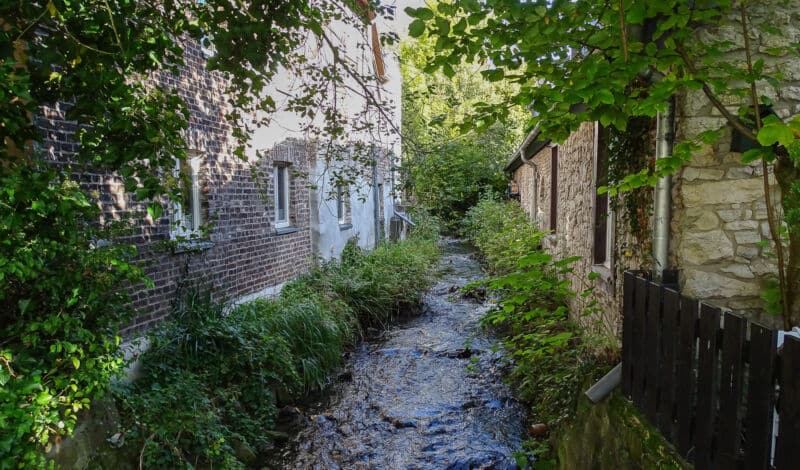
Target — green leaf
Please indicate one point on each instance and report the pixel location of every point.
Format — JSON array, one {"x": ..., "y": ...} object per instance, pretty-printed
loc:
[
  {"x": 416, "y": 28},
  {"x": 774, "y": 132},
  {"x": 154, "y": 210},
  {"x": 76, "y": 363},
  {"x": 752, "y": 155}
]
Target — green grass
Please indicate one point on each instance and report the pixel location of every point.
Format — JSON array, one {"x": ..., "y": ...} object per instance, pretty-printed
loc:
[{"x": 212, "y": 382}]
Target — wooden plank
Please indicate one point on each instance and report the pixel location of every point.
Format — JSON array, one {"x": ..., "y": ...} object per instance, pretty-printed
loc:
[
  {"x": 706, "y": 387},
  {"x": 730, "y": 391},
  {"x": 652, "y": 351},
  {"x": 628, "y": 286},
  {"x": 760, "y": 398},
  {"x": 787, "y": 449},
  {"x": 667, "y": 373},
  {"x": 685, "y": 375},
  {"x": 639, "y": 366}
]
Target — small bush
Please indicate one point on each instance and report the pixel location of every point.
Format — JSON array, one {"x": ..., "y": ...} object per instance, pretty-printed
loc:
[
  {"x": 550, "y": 359},
  {"x": 502, "y": 233},
  {"x": 211, "y": 382}
]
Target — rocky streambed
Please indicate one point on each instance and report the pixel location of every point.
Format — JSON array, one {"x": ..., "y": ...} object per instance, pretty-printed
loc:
[{"x": 427, "y": 394}]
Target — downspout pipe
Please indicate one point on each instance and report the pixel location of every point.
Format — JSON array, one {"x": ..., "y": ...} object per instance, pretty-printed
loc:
[
  {"x": 376, "y": 207},
  {"x": 665, "y": 138}
]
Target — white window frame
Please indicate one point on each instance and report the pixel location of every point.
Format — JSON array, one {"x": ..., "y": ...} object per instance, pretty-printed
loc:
[
  {"x": 178, "y": 229},
  {"x": 343, "y": 205},
  {"x": 605, "y": 268},
  {"x": 282, "y": 169}
]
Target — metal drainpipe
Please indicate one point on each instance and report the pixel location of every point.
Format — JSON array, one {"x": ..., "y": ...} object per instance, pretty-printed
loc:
[
  {"x": 376, "y": 210},
  {"x": 665, "y": 135}
]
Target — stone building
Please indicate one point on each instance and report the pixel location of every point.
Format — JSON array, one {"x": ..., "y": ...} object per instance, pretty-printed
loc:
[
  {"x": 245, "y": 225},
  {"x": 719, "y": 241}
]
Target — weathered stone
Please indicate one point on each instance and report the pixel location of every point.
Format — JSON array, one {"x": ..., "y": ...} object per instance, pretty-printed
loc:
[
  {"x": 747, "y": 251},
  {"x": 704, "y": 284},
  {"x": 739, "y": 270},
  {"x": 722, "y": 192},
  {"x": 765, "y": 229},
  {"x": 747, "y": 236},
  {"x": 705, "y": 157},
  {"x": 741, "y": 225},
  {"x": 760, "y": 267},
  {"x": 728, "y": 215},
  {"x": 703, "y": 219},
  {"x": 739, "y": 172},
  {"x": 703, "y": 247},
  {"x": 691, "y": 173}
]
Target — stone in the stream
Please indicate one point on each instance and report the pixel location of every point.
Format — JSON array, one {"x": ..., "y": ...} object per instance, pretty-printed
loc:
[
  {"x": 289, "y": 417},
  {"x": 537, "y": 430}
]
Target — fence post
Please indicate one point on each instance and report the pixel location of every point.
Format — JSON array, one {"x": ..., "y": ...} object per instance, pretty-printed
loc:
[
  {"x": 685, "y": 371},
  {"x": 787, "y": 452},
  {"x": 706, "y": 384},
  {"x": 667, "y": 372},
  {"x": 628, "y": 286},
  {"x": 652, "y": 351},
  {"x": 730, "y": 390},
  {"x": 760, "y": 398},
  {"x": 639, "y": 317}
]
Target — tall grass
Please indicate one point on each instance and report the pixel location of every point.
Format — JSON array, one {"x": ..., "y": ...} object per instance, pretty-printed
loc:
[{"x": 212, "y": 382}]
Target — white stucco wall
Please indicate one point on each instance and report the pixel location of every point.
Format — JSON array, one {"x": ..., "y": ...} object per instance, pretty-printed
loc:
[
  {"x": 355, "y": 43},
  {"x": 327, "y": 235}
]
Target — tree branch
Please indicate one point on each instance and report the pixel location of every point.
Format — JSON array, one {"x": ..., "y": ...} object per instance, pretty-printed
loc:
[{"x": 730, "y": 117}]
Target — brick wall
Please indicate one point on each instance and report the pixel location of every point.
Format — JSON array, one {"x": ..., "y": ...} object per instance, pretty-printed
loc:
[{"x": 245, "y": 254}]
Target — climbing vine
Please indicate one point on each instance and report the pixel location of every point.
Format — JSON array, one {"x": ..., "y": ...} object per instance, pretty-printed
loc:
[{"x": 630, "y": 151}]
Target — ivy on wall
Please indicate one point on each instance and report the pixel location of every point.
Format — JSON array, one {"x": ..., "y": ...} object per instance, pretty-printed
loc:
[{"x": 631, "y": 151}]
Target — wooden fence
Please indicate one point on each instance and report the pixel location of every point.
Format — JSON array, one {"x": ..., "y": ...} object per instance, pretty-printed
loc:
[{"x": 710, "y": 381}]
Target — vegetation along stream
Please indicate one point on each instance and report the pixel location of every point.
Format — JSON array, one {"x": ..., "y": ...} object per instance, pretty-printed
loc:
[{"x": 427, "y": 394}]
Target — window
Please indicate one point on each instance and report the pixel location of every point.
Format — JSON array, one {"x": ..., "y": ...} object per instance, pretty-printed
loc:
[
  {"x": 603, "y": 215},
  {"x": 553, "y": 188},
  {"x": 187, "y": 218},
  {"x": 343, "y": 205},
  {"x": 281, "y": 195}
]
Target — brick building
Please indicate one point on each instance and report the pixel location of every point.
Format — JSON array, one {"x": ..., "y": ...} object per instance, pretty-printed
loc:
[{"x": 237, "y": 232}]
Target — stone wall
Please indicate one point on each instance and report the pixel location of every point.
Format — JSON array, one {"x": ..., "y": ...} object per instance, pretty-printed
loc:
[
  {"x": 574, "y": 234},
  {"x": 719, "y": 228},
  {"x": 244, "y": 253}
]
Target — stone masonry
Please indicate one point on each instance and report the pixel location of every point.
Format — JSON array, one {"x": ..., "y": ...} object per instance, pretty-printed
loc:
[{"x": 720, "y": 236}]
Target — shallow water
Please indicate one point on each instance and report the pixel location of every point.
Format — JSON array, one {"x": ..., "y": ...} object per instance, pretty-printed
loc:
[{"x": 428, "y": 394}]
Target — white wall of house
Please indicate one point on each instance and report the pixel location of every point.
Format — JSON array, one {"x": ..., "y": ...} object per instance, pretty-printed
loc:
[{"x": 328, "y": 235}]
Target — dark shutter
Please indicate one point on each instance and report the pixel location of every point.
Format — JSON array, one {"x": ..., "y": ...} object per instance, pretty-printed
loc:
[{"x": 601, "y": 200}]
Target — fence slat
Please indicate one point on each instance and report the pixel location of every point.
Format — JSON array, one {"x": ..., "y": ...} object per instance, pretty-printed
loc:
[
  {"x": 730, "y": 390},
  {"x": 760, "y": 395},
  {"x": 669, "y": 337},
  {"x": 706, "y": 385},
  {"x": 652, "y": 353},
  {"x": 787, "y": 450},
  {"x": 685, "y": 374},
  {"x": 629, "y": 283},
  {"x": 639, "y": 366}
]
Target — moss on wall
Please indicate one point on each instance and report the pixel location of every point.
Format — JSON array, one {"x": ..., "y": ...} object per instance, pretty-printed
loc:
[{"x": 613, "y": 435}]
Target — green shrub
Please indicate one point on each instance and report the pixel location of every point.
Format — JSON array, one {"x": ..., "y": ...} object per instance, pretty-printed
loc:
[
  {"x": 548, "y": 350},
  {"x": 502, "y": 233},
  {"x": 211, "y": 381},
  {"x": 60, "y": 308}
]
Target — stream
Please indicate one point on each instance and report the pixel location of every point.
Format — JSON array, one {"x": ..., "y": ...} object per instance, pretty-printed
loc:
[{"x": 427, "y": 394}]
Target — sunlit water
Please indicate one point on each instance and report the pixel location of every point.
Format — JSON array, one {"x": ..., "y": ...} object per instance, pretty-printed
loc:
[{"x": 417, "y": 399}]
